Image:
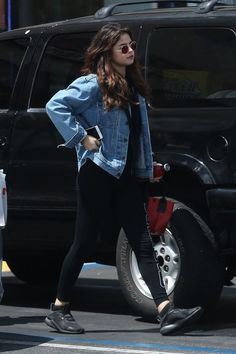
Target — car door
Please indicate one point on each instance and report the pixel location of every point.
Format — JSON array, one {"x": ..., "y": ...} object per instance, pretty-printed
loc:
[
  {"x": 191, "y": 71},
  {"x": 43, "y": 176},
  {"x": 12, "y": 54}
]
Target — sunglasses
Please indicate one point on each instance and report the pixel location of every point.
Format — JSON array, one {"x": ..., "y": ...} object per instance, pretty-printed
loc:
[{"x": 125, "y": 48}]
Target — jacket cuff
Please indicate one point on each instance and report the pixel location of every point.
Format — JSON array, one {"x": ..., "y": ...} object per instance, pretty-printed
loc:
[{"x": 76, "y": 139}]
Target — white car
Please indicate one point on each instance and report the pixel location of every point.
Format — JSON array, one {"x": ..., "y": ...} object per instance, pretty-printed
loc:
[{"x": 1, "y": 287}]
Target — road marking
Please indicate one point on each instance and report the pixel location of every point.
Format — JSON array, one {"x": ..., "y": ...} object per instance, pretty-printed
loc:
[
  {"x": 5, "y": 267},
  {"x": 111, "y": 350},
  {"x": 93, "y": 265},
  {"x": 87, "y": 266},
  {"x": 84, "y": 348},
  {"x": 102, "y": 349}
]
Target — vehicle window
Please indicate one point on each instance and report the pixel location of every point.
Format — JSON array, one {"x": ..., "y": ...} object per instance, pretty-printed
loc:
[
  {"x": 11, "y": 55},
  {"x": 189, "y": 67},
  {"x": 60, "y": 65}
]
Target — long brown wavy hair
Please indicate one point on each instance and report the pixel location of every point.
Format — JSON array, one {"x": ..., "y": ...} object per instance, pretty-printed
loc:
[{"x": 115, "y": 88}]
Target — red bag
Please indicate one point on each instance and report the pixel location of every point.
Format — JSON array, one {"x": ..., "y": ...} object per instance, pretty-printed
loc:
[{"x": 159, "y": 212}]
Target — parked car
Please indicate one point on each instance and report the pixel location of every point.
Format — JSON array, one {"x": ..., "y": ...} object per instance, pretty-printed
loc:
[{"x": 188, "y": 55}]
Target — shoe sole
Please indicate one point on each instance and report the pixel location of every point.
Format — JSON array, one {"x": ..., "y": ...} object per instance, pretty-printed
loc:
[
  {"x": 169, "y": 329},
  {"x": 53, "y": 325}
]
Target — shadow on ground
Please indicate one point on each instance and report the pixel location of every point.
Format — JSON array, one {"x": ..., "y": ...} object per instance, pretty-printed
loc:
[
  {"x": 90, "y": 295},
  {"x": 105, "y": 296}
]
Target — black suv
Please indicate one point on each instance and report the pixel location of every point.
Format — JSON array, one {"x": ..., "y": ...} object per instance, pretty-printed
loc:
[{"x": 189, "y": 58}]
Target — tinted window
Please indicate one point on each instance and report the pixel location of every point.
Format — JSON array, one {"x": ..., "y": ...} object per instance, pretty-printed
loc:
[
  {"x": 192, "y": 67},
  {"x": 11, "y": 55},
  {"x": 60, "y": 65}
]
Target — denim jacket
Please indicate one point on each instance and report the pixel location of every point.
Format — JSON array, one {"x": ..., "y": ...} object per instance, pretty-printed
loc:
[{"x": 79, "y": 107}]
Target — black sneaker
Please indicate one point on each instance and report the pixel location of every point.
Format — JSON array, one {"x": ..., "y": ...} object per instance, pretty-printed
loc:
[
  {"x": 175, "y": 319},
  {"x": 62, "y": 320}
]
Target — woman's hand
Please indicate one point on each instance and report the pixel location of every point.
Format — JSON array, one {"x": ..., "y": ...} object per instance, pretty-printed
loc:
[
  {"x": 90, "y": 143},
  {"x": 159, "y": 171}
]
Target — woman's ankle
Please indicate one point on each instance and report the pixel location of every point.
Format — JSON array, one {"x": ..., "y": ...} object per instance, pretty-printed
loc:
[
  {"x": 162, "y": 306},
  {"x": 60, "y": 303}
]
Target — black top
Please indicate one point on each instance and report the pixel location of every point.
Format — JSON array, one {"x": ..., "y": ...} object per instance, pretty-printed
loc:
[{"x": 134, "y": 121}]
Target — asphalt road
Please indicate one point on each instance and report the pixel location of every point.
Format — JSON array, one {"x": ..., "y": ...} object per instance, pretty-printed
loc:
[{"x": 111, "y": 326}]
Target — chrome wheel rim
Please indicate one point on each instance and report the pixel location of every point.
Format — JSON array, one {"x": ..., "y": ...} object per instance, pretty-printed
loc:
[{"x": 168, "y": 256}]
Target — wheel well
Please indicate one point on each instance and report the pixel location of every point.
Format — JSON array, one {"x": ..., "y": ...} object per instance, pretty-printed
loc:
[{"x": 183, "y": 185}]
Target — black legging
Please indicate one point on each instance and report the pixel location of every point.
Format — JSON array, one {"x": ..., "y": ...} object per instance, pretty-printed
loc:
[{"x": 99, "y": 192}]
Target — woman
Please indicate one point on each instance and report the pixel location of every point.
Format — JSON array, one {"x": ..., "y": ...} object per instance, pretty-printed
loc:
[{"x": 110, "y": 95}]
